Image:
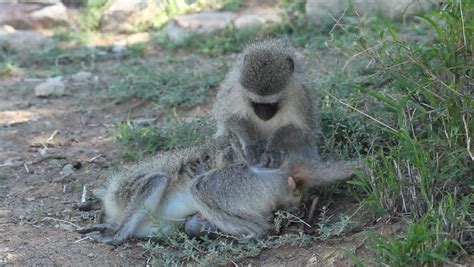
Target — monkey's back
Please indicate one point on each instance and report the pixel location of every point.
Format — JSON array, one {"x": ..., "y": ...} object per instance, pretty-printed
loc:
[{"x": 124, "y": 191}]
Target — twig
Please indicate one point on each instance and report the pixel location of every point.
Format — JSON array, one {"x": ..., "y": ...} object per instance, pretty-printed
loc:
[
  {"x": 59, "y": 220},
  {"x": 51, "y": 137},
  {"x": 84, "y": 194},
  {"x": 26, "y": 167},
  {"x": 94, "y": 158},
  {"x": 297, "y": 218},
  {"x": 468, "y": 138},
  {"x": 11, "y": 165},
  {"x": 361, "y": 112},
  {"x": 312, "y": 209},
  {"x": 46, "y": 158},
  {"x": 82, "y": 239}
]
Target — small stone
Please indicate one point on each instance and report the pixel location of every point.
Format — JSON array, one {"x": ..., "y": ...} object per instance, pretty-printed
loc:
[
  {"x": 43, "y": 151},
  {"x": 101, "y": 53},
  {"x": 117, "y": 48},
  {"x": 91, "y": 255},
  {"x": 52, "y": 87},
  {"x": 4, "y": 213},
  {"x": 30, "y": 198},
  {"x": 55, "y": 163},
  {"x": 81, "y": 76},
  {"x": 68, "y": 169}
]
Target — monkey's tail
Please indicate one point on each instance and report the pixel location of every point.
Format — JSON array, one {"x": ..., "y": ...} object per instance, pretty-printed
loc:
[{"x": 320, "y": 173}]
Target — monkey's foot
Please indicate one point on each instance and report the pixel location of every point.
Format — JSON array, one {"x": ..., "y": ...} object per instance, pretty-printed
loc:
[{"x": 196, "y": 226}]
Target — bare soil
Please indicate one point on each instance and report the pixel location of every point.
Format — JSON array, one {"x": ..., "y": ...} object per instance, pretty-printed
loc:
[{"x": 39, "y": 204}]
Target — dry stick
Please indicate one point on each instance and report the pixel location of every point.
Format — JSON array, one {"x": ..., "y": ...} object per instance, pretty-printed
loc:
[
  {"x": 84, "y": 238},
  {"x": 46, "y": 158},
  {"x": 10, "y": 165},
  {"x": 26, "y": 167},
  {"x": 312, "y": 209},
  {"x": 94, "y": 158},
  {"x": 468, "y": 138},
  {"x": 361, "y": 112},
  {"x": 59, "y": 220},
  {"x": 51, "y": 137},
  {"x": 84, "y": 194}
]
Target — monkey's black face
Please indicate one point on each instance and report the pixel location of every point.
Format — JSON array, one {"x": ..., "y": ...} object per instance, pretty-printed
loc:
[
  {"x": 264, "y": 111},
  {"x": 266, "y": 72}
]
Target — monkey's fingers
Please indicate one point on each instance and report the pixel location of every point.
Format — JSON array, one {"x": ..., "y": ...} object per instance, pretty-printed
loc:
[
  {"x": 103, "y": 238},
  {"x": 96, "y": 228}
]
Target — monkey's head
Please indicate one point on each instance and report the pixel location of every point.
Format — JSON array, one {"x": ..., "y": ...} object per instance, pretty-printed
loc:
[{"x": 267, "y": 67}]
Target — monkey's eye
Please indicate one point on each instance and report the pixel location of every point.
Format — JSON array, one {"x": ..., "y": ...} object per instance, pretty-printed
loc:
[{"x": 291, "y": 64}]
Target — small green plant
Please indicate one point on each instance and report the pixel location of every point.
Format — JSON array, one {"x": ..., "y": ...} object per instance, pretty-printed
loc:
[
  {"x": 174, "y": 247},
  {"x": 329, "y": 228},
  {"x": 89, "y": 16}
]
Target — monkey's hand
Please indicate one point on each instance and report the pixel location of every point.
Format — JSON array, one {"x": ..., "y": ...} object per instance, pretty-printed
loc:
[
  {"x": 103, "y": 233},
  {"x": 253, "y": 153},
  {"x": 272, "y": 158}
]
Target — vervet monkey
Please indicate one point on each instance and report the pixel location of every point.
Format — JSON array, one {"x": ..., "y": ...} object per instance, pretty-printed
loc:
[
  {"x": 266, "y": 101},
  {"x": 237, "y": 199}
]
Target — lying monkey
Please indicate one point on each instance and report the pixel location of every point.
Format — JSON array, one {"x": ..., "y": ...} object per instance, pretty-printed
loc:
[{"x": 237, "y": 199}]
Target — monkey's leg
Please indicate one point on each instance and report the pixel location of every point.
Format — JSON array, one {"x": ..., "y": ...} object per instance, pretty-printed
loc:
[
  {"x": 150, "y": 197},
  {"x": 288, "y": 139},
  {"x": 248, "y": 137},
  {"x": 244, "y": 225}
]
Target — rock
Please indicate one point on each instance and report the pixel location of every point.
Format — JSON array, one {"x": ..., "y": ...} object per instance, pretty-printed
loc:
[
  {"x": 81, "y": 76},
  {"x": 33, "y": 14},
  {"x": 5, "y": 213},
  {"x": 30, "y": 198},
  {"x": 257, "y": 16},
  {"x": 117, "y": 48},
  {"x": 181, "y": 27},
  {"x": 123, "y": 15},
  {"x": 320, "y": 11},
  {"x": 184, "y": 26},
  {"x": 68, "y": 169},
  {"x": 24, "y": 41},
  {"x": 52, "y": 87}
]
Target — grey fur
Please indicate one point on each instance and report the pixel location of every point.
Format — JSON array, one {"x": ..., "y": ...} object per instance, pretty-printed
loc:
[{"x": 263, "y": 75}]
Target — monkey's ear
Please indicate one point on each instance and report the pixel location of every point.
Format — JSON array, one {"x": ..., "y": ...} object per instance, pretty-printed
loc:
[
  {"x": 300, "y": 174},
  {"x": 291, "y": 183},
  {"x": 291, "y": 64}
]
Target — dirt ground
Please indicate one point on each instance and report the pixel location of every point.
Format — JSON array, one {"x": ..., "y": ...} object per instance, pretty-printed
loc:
[{"x": 39, "y": 203}]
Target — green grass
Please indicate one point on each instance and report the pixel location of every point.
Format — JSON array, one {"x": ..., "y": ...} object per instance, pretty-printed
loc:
[
  {"x": 401, "y": 96},
  {"x": 176, "y": 248},
  {"x": 140, "y": 140},
  {"x": 167, "y": 88},
  {"x": 410, "y": 114}
]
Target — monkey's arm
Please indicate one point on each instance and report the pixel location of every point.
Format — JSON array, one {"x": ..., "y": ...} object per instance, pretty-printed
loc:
[
  {"x": 248, "y": 136},
  {"x": 288, "y": 140}
]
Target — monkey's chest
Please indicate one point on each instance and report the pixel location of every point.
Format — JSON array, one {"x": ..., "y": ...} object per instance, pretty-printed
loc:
[{"x": 264, "y": 111}]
